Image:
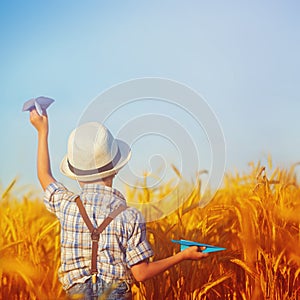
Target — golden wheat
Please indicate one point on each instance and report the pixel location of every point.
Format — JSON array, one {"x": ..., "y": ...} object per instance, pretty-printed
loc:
[{"x": 256, "y": 216}]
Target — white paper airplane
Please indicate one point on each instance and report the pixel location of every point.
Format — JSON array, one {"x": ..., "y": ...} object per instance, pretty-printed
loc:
[{"x": 39, "y": 103}]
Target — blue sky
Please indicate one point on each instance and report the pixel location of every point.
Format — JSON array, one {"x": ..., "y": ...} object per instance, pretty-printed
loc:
[{"x": 241, "y": 56}]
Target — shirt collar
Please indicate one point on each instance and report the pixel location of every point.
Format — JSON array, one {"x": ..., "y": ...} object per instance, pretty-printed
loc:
[{"x": 103, "y": 189}]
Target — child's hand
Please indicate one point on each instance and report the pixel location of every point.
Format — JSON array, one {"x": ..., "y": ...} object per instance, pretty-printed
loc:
[
  {"x": 39, "y": 122},
  {"x": 194, "y": 253}
]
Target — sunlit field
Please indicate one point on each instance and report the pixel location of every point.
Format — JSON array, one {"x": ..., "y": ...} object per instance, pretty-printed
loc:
[{"x": 256, "y": 216}]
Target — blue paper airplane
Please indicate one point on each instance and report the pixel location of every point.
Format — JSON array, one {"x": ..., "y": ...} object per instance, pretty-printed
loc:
[
  {"x": 39, "y": 103},
  {"x": 209, "y": 248}
]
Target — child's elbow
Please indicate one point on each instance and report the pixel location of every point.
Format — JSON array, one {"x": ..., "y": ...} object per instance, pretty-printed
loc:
[
  {"x": 139, "y": 271},
  {"x": 140, "y": 277}
]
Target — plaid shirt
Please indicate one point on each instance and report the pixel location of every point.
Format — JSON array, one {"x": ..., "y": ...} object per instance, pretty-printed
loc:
[{"x": 122, "y": 244}]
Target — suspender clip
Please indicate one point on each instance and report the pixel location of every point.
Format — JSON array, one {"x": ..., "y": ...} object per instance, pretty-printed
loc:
[
  {"x": 94, "y": 278},
  {"x": 95, "y": 235}
]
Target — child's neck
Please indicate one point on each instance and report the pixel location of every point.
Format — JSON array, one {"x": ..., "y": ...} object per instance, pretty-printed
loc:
[{"x": 108, "y": 181}]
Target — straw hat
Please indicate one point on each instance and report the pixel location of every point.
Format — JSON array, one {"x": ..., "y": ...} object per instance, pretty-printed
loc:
[{"x": 93, "y": 153}]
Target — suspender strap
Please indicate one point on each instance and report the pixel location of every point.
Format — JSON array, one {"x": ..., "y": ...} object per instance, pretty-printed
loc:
[{"x": 95, "y": 232}]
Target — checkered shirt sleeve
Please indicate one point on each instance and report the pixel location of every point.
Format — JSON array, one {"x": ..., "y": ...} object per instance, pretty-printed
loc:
[
  {"x": 138, "y": 248},
  {"x": 55, "y": 195}
]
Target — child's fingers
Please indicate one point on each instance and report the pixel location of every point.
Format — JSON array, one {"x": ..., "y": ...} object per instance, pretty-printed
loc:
[
  {"x": 200, "y": 254},
  {"x": 33, "y": 114},
  {"x": 195, "y": 252},
  {"x": 39, "y": 122},
  {"x": 200, "y": 249}
]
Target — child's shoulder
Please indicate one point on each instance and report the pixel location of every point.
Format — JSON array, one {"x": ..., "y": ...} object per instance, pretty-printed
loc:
[{"x": 134, "y": 214}]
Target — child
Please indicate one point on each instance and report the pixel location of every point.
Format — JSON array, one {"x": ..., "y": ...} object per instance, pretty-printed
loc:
[{"x": 94, "y": 157}]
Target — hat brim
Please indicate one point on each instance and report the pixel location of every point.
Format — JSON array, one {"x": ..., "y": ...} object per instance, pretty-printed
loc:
[{"x": 125, "y": 152}]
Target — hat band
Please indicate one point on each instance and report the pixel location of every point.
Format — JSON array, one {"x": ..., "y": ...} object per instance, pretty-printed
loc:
[{"x": 105, "y": 168}]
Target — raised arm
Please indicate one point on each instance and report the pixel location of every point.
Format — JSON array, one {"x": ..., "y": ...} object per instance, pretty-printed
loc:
[
  {"x": 43, "y": 160},
  {"x": 146, "y": 270}
]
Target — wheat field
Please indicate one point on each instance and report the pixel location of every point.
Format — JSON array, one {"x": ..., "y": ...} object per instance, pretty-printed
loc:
[{"x": 256, "y": 216}]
